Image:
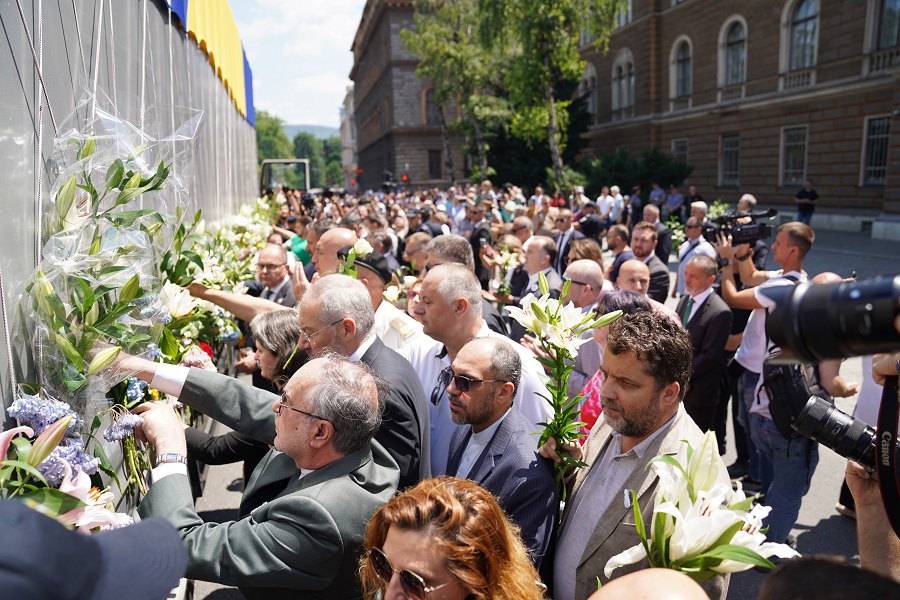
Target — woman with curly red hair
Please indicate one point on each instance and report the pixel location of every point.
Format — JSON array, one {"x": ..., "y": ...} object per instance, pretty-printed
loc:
[{"x": 446, "y": 538}]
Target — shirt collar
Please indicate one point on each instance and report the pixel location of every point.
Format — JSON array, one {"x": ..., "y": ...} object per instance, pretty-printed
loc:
[
  {"x": 363, "y": 348},
  {"x": 277, "y": 288},
  {"x": 702, "y": 296},
  {"x": 641, "y": 448}
]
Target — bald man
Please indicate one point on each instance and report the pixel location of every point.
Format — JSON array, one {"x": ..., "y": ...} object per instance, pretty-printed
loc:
[
  {"x": 651, "y": 584},
  {"x": 634, "y": 276},
  {"x": 325, "y": 256}
]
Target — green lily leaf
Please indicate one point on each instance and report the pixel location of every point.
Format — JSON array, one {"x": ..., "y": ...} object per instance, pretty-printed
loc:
[
  {"x": 168, "y": 345},
  {"x": 88, "y": 149},
  {"x": 739, "y": 554},
  {"x": 17, "y": 464},
  {"x": 53, "y": 500}
]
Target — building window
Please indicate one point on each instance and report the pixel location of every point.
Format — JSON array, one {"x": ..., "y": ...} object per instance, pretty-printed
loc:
[
  {"x": 729, "y": 159},
  {"x": 683, "y": 70},
  {"x": 735, "y": 55},
  {"x": 588, "y": 89},
  {"x": 623, "y": 16},
  {"x": 793, "y": 155},
  {"x": 878, "y": 131},
  {"x": 435, "y": 162},
  {"x": 585, "y": 37},
  {"x": 623, "y": 85},
  {"x": 803, "y": 35},
  {"x": 431, "y": 116},
  {"x": 680, "y": 150},
  {"x": 889, "y": 24}
]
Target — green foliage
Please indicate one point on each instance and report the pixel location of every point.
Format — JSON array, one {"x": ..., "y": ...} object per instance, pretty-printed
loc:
[
  {"x": 717, "y": 209},
  {"x": 570, "y": 179},
  {"x": 621, "y": 168},
  {"x": 308, "y": 146},
  {"x": 271, "y": 142}
]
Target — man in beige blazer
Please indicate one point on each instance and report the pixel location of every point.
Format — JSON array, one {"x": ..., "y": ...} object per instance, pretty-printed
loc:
[{"x": 646, "y": 367}]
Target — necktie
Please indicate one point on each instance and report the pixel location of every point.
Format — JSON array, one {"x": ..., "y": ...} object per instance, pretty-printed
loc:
[
  {"x": 687, "y": 311},
  {"x": 265, "y": 294}
]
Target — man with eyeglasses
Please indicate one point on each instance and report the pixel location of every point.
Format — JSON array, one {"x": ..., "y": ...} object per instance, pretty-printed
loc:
[
  {"x": 450, "y": 312},
  {"x": 566, "y": 233},
  {"x": 493, "y": 446},
  {"x": 693, "y": 245},
  {"x": 304, "y": 512}
]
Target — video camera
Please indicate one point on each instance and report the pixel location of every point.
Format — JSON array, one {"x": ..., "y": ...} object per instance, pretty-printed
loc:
[
  {"x": 741, "y": 233},
  {"x": 816, "y": 322}
]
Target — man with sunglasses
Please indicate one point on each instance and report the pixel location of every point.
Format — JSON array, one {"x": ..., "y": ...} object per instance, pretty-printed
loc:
[
  {"x": 320, "y": 483},
  {"x": 493, "y": 446},
  {"x": 450, "y": 312}
]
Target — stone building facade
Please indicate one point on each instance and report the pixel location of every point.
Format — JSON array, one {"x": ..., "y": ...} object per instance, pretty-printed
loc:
[
  {"x": 398, "y": 127},
  {"x": 759, "y": 96}
]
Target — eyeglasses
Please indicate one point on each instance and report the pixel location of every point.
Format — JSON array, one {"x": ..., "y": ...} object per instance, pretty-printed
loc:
[
  {"x": 413, "y": 585},
  {"x": 309, "y": 336},
  {"x": 462, "y": 382},
  {"x": 691, "y": 226},
  {"x": 430, "y": 267},
  {"x": 281, "y": 406},
  {"x": 515, "y": 229},
  {"x": 576, "y": 282},
  {"x": 268, "y": 267},
  {"x": 412, "y": 295},
  {"x": 561, "y": 219}
]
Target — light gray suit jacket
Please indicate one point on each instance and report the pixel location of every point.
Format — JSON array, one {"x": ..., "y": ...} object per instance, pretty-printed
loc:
[
  {"x": 616, "y": 530},
  {"x": 302, "y": 544}
]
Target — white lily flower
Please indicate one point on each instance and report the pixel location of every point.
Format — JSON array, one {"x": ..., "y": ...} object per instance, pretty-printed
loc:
[
  {"x": 757, "y": 543},
  {"x": 362, "y": 248},
  {"x": 628, "y": 557},
  {"x": 392, "y": 294},
  {"x": 240, "y": 288},
  {"x": 178, "y": 300},
  {"x": 703, "y": 469},
  {"x": 409, "y": 281}
]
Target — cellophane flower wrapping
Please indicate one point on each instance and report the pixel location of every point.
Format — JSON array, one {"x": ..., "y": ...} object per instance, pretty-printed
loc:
[{"x": 119, "y": 184}]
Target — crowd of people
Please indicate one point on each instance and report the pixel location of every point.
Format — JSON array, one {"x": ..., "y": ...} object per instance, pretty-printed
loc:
[{"x": 389, "y": 446}]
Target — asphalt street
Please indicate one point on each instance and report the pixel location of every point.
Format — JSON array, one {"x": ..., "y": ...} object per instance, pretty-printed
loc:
[{"x": 819, "y": 529}]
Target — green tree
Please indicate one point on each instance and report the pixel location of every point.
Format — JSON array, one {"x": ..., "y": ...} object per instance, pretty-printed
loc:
[
  {"x": 625, "y": 170},
  {"x": 306, "y": 145},
  {"x": 271, "y": 142},
  {"x": 547, "y": 34},
  {"x": 460, "y": 70}
]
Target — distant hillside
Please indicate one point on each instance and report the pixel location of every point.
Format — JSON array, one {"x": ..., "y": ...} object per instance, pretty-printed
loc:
[{"x": 320, "y": 131}]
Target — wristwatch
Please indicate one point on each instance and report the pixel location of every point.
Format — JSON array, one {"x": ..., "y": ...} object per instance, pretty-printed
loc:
[{"x": 171, "y": 457}]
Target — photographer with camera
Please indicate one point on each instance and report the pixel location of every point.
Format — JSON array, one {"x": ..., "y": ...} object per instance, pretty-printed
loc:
[{"x": 785, "y": 465}]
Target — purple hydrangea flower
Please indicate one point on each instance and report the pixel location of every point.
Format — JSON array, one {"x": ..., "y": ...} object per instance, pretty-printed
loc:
[
  {"x": 153, "y": 352},
  {"x": 135, "y": 389},
  {"x": 122, "y": 425},
  {"x": 40, "y": 413},
  {"x": 71, "y": 451}
]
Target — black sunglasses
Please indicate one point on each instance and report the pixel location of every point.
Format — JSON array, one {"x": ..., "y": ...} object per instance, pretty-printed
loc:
[
  {"x": 413, "y": 585},
  {"x": 462, "y": 382}
]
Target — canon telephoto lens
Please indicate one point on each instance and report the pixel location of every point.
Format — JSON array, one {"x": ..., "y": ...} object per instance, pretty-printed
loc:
[
  {"x": 816, "y": 322},
  {"x": 824, "y": 423}
]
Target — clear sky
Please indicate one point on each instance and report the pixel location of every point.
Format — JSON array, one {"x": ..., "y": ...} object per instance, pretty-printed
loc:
[{"x": 299, "y": 51}]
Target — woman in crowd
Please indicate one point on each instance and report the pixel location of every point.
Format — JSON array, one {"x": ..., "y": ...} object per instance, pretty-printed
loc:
[
  {"x": 446, "y": 539},
  {"x": 627, "y": 302},
  {"x": 412, "y": 299},
  {"x": 276, "y": 335}
]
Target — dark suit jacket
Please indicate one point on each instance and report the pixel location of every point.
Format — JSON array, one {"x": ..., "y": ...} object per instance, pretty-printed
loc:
[
  {"x": 405, "y": 432},
  {"x": 616, "y": 530},
  {"x": 522, "y": 481},
  {"x": 302, "y": 543},
  {"x": 709, "y": 329},
  {"x": 659, "y": 279},
  {"x": 482, "y": 232},
  {"x": 563, "y": 251},
  {"x": 663, "y": 242}
]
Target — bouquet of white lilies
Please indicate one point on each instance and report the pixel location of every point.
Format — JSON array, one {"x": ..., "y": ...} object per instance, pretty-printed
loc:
[{"x": 699, "y": 527}]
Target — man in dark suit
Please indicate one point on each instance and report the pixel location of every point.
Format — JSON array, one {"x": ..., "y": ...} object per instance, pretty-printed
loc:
[
  {"x": 708, "y": 321},
  {"x": 494, "y": 447},
  {"x": 590, "y": 224},
  {"x": 643, "y": 244},
  {"x": 540, "y": 255},
  {"x": 663, "y": 233},
  {"x": 306, "y": 507},
  {"x": 481, "y": 235},
  {"x": 566, "y": 233},
  {"x": 336, "y": 315}
]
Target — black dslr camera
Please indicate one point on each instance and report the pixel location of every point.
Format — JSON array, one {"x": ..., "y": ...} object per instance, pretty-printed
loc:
[
  {"x": 812, "y": 323},
  {"x": 741, "y": 233}
]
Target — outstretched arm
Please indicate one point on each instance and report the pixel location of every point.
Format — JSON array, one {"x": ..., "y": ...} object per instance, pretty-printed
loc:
[{"x": 241, "y": 306}]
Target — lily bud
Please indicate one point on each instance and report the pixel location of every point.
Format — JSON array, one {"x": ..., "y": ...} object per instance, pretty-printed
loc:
[
  {"x": 103, "y": 359},
  {"x": 48, "y": 441}
]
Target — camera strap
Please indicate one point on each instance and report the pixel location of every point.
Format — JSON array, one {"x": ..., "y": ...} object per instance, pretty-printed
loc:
[{"x": 886, "y": 452}]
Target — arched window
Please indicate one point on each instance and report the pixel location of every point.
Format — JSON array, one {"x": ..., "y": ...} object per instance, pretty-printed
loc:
[
  {"x": 803, "y": 35},
  {"x": 735, "y": 54},
  {"x": 683, "y": 70},
  {"x": 623, "y": 80},
  {"x": 588, "y": 88}
]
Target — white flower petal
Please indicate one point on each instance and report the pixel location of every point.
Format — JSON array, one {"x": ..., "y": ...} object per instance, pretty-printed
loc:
[{"x": 628, "y": 557}]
